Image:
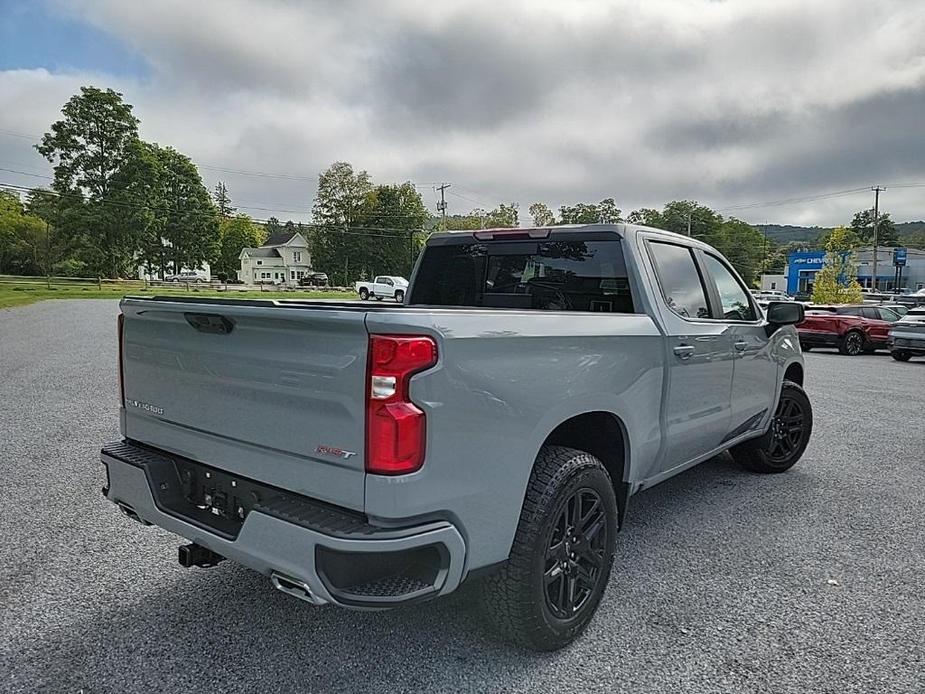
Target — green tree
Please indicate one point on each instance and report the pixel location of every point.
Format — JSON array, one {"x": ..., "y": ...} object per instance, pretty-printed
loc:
[
  {"x": 604, "y": 212},
  {"x": 849, "y": 237},
  {"x": 190, "y": 220},
  {"x": 542, "y": 215},
  {"x": 836, "y": 282},
  {"x": 235, "y": 233},
  {"x": 341, "y": 205},
  {"x": 29, "y": 244},
  {"x": 396, "y": 215},
  {"x": 223, "y": 200},
  {"x": 647, "y": 217},
  {"x": 863, "y": 225},
  {"x": 503, "y": 216},
  {"x": 11, "y": 210},
  {"x": 88, "y": 147},
  {"x": 743, "y": 245},
  {"x": 273, "y": 226},
  {"x": 139, "y": 194}
]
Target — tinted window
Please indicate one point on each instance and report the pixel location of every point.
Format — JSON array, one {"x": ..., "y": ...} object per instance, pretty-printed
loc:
[
  {"x": 849, "y": 311},
  {"x": 547, "y": 275},
  {"x": 679, "y": 280},
  {"x": 733, "y": 296}
]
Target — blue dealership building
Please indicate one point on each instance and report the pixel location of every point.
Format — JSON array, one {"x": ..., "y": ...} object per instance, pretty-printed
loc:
[{"x": 802, "y": 267}]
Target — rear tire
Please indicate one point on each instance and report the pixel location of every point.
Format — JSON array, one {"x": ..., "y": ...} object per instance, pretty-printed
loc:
[
  {"x": 364, "y": 293},
  {"x": 786, "y": 440},
  {"x": 901, "y": 355},
  {"x": 549, "y": 589},
  {"x": 852, "y": 344}
]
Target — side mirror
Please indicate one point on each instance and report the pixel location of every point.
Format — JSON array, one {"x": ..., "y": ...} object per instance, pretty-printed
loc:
[{"x": 784, "y": 313}]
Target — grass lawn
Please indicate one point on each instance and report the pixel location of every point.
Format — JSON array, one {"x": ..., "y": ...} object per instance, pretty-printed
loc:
[{"x": 22, "y": 295}]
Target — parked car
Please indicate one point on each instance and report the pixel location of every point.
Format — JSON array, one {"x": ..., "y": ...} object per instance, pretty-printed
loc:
[
  {"x": 186, "y": 277},
  {"x": 907, "y": 337},
  {"x": 383, "y": 286},
  {"x": 853, "y": 328},
  {"x": 899, "y": 309},
  {"x": 314, "y": 279},
  {"x": 772, "y": 295},
  {"x": 495, "y": 426}
]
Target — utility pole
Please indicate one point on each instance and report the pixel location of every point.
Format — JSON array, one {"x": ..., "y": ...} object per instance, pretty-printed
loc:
[
  {"x": 688, "y": 222},
  {"x": 876, "y": 190},
  {"x": 441, "y": 206}
]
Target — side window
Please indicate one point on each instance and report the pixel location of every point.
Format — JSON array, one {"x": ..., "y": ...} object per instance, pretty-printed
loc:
[
  {"x": 679, "y": 280},
  {"x": 734, "y": 298},
  {"x": 888, "y": 315}
]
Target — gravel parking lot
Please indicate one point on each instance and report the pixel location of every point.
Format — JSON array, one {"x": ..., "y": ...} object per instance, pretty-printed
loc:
[{"x": 726, "y": 581}]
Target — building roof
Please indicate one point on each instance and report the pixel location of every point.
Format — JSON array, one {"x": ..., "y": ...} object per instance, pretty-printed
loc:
[
  {"x": 280, "y": 238},
  {"x": 262, "y": 252}
]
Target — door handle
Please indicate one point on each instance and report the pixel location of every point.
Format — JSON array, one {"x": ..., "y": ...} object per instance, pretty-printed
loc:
[
  {"x": 741, "y": 345},
  {"x": 684, "y": 351}
]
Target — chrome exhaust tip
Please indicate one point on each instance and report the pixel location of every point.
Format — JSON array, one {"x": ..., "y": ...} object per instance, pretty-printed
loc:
[{"x": 295, "y": 588}]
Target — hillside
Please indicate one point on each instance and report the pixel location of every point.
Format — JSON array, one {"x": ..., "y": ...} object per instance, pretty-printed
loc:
[{"x": 786, "y": 233}]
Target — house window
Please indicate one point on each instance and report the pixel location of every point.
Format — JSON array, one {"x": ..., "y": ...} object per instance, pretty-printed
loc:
[
  {"x": 297, "y": 256},
  {"x": 260, "y": 262},
  {"x": 292, "y": 274}
]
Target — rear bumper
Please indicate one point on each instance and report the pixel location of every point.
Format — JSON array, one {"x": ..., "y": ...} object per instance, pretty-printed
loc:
[{"x": 314, "y": 551}]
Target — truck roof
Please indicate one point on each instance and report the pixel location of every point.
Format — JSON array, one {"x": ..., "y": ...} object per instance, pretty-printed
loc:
[{"x": 622, "y": 230}]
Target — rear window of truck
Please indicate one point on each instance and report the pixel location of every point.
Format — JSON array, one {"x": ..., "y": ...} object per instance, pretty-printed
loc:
[{"x": 555, "y": 275}]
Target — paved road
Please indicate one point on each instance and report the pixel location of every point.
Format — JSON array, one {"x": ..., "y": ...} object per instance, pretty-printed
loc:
[{"x": 727, "y": 582}]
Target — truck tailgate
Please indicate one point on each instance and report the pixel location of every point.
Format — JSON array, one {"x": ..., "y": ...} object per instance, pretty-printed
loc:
[{"x": 270, "y": 392}]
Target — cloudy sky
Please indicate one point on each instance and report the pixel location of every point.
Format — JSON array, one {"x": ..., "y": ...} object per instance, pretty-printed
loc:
[{"x": 730, "y": 103}]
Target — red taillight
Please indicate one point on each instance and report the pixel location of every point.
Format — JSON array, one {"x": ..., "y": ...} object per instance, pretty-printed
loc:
[
  {"x": 395, "y": 427},
  {"x": 121, "y": 330}
]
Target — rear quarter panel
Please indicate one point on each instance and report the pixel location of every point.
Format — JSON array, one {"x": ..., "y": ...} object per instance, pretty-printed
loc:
[{"x": 503, "y": 382}]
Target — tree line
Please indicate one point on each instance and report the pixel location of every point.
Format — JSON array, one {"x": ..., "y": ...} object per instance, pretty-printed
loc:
[{"x": 118, "y": 203}]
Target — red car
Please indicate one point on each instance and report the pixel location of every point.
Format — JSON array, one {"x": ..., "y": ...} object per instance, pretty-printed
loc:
[{"x": 851, "y": 328}]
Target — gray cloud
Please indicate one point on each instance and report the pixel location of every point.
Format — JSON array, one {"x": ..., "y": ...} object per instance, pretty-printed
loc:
[{"x": 525, "y": 100}]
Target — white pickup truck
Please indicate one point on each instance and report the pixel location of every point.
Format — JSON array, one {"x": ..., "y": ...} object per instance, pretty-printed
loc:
[{"x": 383, "y": 285}]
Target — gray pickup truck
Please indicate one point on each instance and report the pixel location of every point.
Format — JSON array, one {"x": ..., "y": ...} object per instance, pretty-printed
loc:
[{"x": 495, "y": 426}]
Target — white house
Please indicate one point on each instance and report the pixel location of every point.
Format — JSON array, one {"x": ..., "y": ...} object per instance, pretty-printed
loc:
[{"x": 283, "y": 259}]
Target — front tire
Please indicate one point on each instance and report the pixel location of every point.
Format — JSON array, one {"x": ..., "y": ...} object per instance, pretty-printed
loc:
[
  {"x": 901, "y": 355},
  {"x": 399, "y": 296},
  {"x": 560, "y": 562},
  {"x": 852, "y": 344},
  {"x": 786, "y": 440}
]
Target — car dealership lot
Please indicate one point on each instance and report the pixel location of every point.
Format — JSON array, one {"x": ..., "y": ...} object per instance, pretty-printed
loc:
[{"x": 725, "y": 581}]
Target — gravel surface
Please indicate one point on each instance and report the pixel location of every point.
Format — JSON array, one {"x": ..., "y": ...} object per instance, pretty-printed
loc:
[{"x": 726, "y": 581}]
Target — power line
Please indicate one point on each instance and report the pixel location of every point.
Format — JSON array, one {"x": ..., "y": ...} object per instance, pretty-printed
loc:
[{"x": 789, "y": 201}]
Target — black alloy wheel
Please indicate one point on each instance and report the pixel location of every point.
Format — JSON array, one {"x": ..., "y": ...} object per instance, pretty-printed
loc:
[
  {"x": 787, "y": 430},
  {"x": 853, "y": 344},
  {"x": 575, "y": 553},
  {"x": 783, "y": 444}
]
